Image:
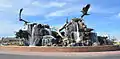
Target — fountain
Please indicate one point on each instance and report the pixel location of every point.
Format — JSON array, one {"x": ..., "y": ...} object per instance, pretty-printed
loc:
[
  {"x": 78, "y": 35},
  {"x": 32, "y": 39},
  {"x": 38, "y": 33},
  {"x": 75, "y": 33}
]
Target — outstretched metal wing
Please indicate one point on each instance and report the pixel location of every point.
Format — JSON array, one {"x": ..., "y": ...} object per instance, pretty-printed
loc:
[
  {"x": 20, "y": 19},
  {"x": 20, "y": 14}
]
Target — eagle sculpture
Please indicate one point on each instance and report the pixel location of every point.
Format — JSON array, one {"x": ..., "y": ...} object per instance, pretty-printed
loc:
[{"x": 85, "y": 10}]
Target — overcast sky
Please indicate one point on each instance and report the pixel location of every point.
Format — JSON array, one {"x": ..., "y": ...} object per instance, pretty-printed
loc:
[{"x": 104, "y": 18}]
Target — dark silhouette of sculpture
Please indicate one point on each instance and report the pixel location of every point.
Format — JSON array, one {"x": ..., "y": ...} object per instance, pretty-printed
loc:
[
  {"x": 20, "y": 19},
  {"x": 85, "y": 10},
  {"x": 76, "y": 31}
]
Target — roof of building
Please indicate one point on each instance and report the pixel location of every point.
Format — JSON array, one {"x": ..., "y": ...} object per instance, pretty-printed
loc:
[{"x": 9, "y": 38}]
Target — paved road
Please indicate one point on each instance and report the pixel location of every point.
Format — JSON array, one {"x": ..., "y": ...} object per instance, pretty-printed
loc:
[{"x": 50, "y": 55}]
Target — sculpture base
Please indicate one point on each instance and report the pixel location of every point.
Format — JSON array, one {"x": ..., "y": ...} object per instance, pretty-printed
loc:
[{"x": 60, "y": 49}]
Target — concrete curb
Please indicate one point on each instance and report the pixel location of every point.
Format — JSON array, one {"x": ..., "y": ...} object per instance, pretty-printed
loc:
[{"x": 61, "y": 49}]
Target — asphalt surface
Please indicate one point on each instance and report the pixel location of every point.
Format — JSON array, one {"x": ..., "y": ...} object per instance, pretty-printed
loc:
[{"x": 58, "y": 55}]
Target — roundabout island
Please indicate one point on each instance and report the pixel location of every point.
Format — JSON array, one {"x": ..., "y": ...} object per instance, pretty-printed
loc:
[{"x": 73, "y": 36}]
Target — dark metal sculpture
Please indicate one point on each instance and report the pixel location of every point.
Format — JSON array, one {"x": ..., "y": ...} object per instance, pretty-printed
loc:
[
  {"x": 85, "y": 10},
  {"x": 75, "y": 33},
  {"x": 20, "y": 19},
  {"x": 76, "y": 30}
]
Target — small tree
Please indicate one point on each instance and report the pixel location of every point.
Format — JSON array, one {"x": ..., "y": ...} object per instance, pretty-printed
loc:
[{"x": 22, "y": 34}]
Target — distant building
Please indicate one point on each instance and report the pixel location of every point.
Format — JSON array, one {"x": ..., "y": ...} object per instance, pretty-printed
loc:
[{"x": 10, "y": 41}]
